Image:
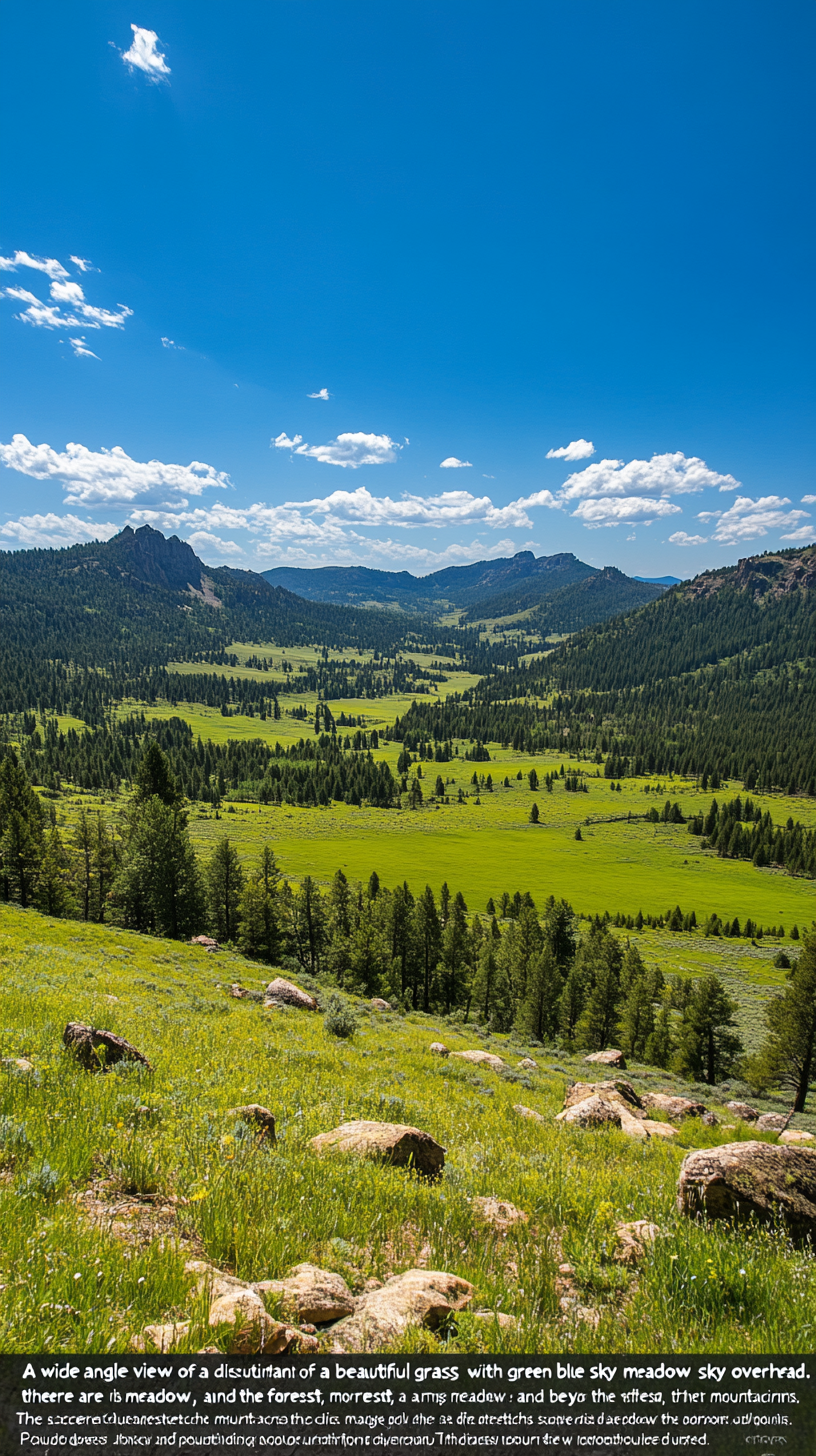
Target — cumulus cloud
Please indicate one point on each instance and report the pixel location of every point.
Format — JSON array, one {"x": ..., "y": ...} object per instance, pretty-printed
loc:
[
  {"x": 205, "y": 541},
  {"x": 805, "y": 533},
  {"x": 809, "y": 500},
  {"x": 145, "y": 56},
  {"x": 575, "y": 450},
  {"x": 81, "y": 349},
  {"x": 92, "y": 477},
  {"x": 682, "y": 538},
  {"x": 663, "y": 475},
  {"x": 451, "y": 463},
  {"x": 319, "y": 394},
  {"x": 748, "y": 519},
  {"x": 628, "y": 511},
  {"x": 83, "y": 264},
  {"x": 52, "y": 530},
  {"x": 350, "y": 450},
  {"x": 50, "y": 266}
]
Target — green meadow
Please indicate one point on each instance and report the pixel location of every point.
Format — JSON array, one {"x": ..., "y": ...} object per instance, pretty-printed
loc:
[{"x": 110, "y": 1181}]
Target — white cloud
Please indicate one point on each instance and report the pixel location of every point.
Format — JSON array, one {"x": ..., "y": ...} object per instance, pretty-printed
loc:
[
  {"x": 349, "y": 450},
  {"x": 319, "y": 394},
  {"x": 83, "y": 264},
  {"x": 453, "y": 464},
  {"x": 81, "y": 349},
  {"x": 663, "y": 475},
  {"x": 748, "y": 519},
  {"x": 809, "y": 500},
  {"x": 83, "y": 315},
  {"x": 575, "y": 450},
  {"x": 67, "y": 292},
  {"x": 206, "y": 541},
  {"x": 51, "y": 530},
  {"x": 42, "y": 265},
  {"x": 98, "y": 477},
  {"x": 682, "y": 538},
  {"x": 143, "y": 54},
  {"x": 628, "y": 511},
  {"x": 805, "y": 533},
  {"x": 171, "y": 344}
]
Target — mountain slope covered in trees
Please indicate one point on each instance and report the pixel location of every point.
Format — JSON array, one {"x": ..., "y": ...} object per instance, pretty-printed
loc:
[{"x": 595, "y": 598}]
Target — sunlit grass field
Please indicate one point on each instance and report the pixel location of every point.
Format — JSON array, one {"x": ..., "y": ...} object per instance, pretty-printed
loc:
[{"x": 110, "y": 1181}]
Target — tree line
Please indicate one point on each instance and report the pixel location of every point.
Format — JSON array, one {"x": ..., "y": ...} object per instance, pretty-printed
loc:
[{"x": 537, "y": 972}]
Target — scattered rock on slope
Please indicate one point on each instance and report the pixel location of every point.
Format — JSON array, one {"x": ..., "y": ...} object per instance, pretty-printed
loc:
[
  {"x": 258, "y": 1117},
  {"x": 388, "y": 1142},
  {"x": 633, "y": 1238},
  {"x": 311, "y": 1295},
  {"x": 771, "y": 1122},
  {"x": 528, "y": 1112},
  {"x": 672, "y": 1106},
  {"x": 742, "y": 1179},
  {"x": 285, "y": 993},
  {"x": 618, "y": 1090},
  {"x": 439, "y": 1049},
  {"x": 498, "y": 1213},
  {"x": 379, "y": 1005},
  {"x": 480, "y": 1058},
  {"x": 528, "y": 1065},
  {"x": 418, "y": 1297},
  {"x": 612, "y": 1057},
  {"x": 796, "y": 1135},
  {"x": 96, "y": 1049},
  {"x": 743, "y": 1110}
]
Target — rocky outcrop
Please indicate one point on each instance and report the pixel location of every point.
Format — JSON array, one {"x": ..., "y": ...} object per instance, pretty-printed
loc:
[
  {"x": 658, "y": 1129},
  {"x": 285, "y": 993},
  {"x": 752, "y": 1179},
  {"x": 672, "y": 1106},
  {"x": 206, "y": 942},
  {"x": 480, "y": 1058},
  {"x": 612, "y": 1057},
  {"x": 97, "y": 1050},
  {"x": 310, "y": 1295},
  {"x": 258, "y": 1117},
  {"x": 387, "y": 1142},
  {"x": 605, "y": 1107},
  {"x": 633, "y": 1239},
  {"x": 419, "y": 1297},
  {"x": 238, "y": 1306},
  {"x": 618, "y": 1090},
  {"x": 498, "y": 1214},
  {"x": 379, "y": 1005}
]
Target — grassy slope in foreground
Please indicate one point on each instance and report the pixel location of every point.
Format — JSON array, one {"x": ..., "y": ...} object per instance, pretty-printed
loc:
[{"x": 72, "y": 1284}]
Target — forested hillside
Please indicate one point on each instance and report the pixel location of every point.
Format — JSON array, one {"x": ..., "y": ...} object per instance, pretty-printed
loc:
[
  {"x": 713, "y": 679},
  {"x": 593, "y": 598}
]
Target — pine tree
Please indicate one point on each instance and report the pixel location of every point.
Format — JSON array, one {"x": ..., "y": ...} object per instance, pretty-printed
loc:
[
  {"x": 259, "y": 933},
  {"x": 537, "y": 1016},
  {"x": 429, "y": 936},
  {"x": 158, "y": 887},
  {"x": 225, "y": 885},
  {"x": 708, "y": 1048},
  {"x": 54, "y": 885},
  {"x": 22, "y": 832},
  {"x": 788, "y": 1057}
]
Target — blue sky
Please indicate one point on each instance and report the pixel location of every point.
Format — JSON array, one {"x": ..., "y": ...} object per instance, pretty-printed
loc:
[{"x": 410, "y": 284}]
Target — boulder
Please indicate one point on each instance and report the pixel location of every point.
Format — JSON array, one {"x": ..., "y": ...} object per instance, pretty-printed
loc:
[
  {"x": 597, "y": 1111},
  {"x": 480, "y": 1058},
  {"x": 672, "y": 1106},
  {"x": 498, "y": 1214},
  {"x": 238, "y": 991},
  {"x": 258, "y": 1117},
  {"x": 528, "y": 1112},
  {"x": 618, "y": 1090},
  {"x": 213, "y": 1281},
  {"x": 439, "y": 1049},
  {"x": 380, "y": 1005},
  {"x": 632, "y": 1240},
  {"x": 310, "y": 1295},
  {"x": 612, "y": 1057},
  {"x": 771, "y": 1122},
  {"x": 528, "y": 1065},
  {"x": 796, "y": 1135},
  {"x": 252, "y": 1330},
  {"x": 285, "y": 993},
  {"x": 419, "y": 1297},
  {"x": 388, "y": 1142},
  {"x": 710, "y": 1119},
  {"x": 740, "y": 1180},
  {"x": 18, "y": 1064},
  {"x": 743, "y": 1110},
  {"x": 658, "y": 1129},
  {"x": 163, "y": 1338},
  {"x": 206, "y": 942},
  {"x": 498, "y": 1317},
  {"x": 97, "y": 1050}
]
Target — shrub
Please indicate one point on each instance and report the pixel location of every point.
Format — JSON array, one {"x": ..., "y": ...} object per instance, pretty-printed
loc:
[{"x": 339, "y": 1018}]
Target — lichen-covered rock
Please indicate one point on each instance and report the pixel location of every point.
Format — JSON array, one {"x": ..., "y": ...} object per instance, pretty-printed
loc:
[
  {"x": 163, "y": 1338},
  {"x": 258, "y": 1117},
  {"x": 612, "y": 1057},
  {"x": 380, "y": 1005},
  {"x": 528, "y": 1112},
  {"x": 753, "y": 1179},
  {"x": 439, "y": 1049},
  {"x": 497, "y": 1213},
  {"x": 710, "y": 1119},
  {"x": 97, "y": 1050},
  {"x": 743, "y": 1110},
  {"x": 528, "y": 1065},
  {"x": 206, "y": 942},
  {"x": 238, "y": 991},
  {"x": 672, "y": 1106},
  {"x": 480, "y": 1058},
  {"x": 419, "y": 1297},
  {"x": 498, "y": 1317},
  {"x": 251, "y": 1329},
  {"x": 658, "y": 1129},
  {"x": 598, "y": 1111},
  {"x": 771, "y": 1122},
  {"x": 310, "y": 1295},
  {"x": 795, "y": 1135},
  {"x": 285, "y": 993},
  {"x": 387, "y": 1142}
]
